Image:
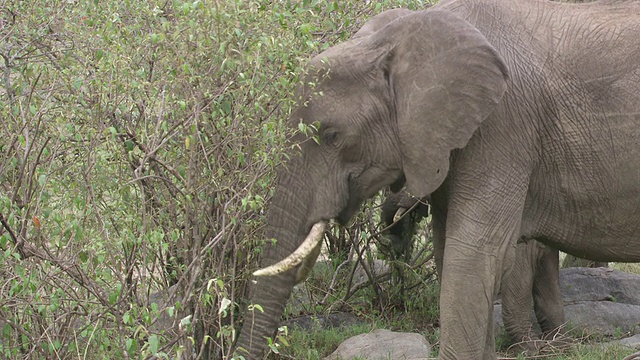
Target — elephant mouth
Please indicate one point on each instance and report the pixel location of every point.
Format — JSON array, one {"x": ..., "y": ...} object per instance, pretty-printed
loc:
[
  {"x": 347, "y": 213},
  {"x": 354, "y": 200}
]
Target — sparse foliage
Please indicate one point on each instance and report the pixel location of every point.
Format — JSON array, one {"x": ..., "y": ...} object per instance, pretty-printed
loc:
[{"x": 138, "y": 144}]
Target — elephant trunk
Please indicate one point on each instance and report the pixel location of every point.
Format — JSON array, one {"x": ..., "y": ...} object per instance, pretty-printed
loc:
[
  {"x": 261, "y": 323},
  {"x": 287, "y": 225}
]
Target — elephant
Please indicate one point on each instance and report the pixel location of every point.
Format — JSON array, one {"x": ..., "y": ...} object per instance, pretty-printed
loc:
[
  {"x": 518, "y": 119},
  {"x": 533, "y": 282},
  {"x": 400, "y": 218}
]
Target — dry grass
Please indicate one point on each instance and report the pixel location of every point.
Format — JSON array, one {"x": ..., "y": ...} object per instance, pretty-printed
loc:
[{"x": 633, "y": 268}]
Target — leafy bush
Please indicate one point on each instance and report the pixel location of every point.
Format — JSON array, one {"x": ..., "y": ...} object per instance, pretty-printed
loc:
[{"x": 137, "y": 150}]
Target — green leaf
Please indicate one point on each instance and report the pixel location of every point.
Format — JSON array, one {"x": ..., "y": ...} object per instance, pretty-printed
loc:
[
  {"x": 185, "y": 322},
  {"x": 131, "y": 344},
  {"x": 129, "y": 145},
  {"x": 126, "y": 318},
  {"x": 153, "y": 344}
]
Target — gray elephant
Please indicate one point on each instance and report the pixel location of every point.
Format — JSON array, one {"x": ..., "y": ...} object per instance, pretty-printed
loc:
[
  {"x": 519, "y": 119},
  {"x": 533, "y": 281}
]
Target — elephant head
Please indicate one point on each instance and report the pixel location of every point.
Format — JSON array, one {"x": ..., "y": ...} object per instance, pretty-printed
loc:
[
  {"x": 381, "y": 109},
  {"x": 400, "y": 215}
]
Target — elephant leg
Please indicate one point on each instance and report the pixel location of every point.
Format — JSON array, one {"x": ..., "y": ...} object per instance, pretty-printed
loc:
[
  {"x": 438, "y": 223},
  {"x": 547, "y": 297},
  {"x": 474, "y": 259},
  {"x": 481, "y": 237},
  {"x": 517, "y": 299}
]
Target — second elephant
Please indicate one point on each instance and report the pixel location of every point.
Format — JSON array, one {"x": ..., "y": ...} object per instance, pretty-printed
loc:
[{"x": 533, "y": 281}]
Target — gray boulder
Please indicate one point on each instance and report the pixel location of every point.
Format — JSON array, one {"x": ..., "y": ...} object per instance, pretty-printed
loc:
[
  {"x": 632, "y": 342},
  {"x": 597, "y": 300},
  {"x": 599, "y": 284},
  {"x": 604, "y": 317},
  {"x": 601, "y": 300},
  {"x": 382, "y": 345}
]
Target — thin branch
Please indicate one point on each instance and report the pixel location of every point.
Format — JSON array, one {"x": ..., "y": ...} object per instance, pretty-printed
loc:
[
  {"x": 27, "y": 250},
  {"x": 11, "y": 233}
]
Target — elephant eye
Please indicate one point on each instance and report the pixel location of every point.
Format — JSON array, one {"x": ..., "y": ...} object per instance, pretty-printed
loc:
[{"x": 330, "y": 137}]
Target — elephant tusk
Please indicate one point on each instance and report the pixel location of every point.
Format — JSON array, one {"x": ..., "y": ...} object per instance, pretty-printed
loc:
[
  {"x": 298, "y": 256},
  {"x": 399, "y": 213}
]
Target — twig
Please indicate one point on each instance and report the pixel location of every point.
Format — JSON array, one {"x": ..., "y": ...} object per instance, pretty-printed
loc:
[
  {"x": 333, "y": 282},
  {"x": 27, "y": 250},
  {"x": 6, "y": 226}
]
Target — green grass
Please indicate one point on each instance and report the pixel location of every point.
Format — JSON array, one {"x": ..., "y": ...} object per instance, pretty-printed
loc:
[
  {"x": 319, "y": 342},
  {"x": 592, "y": 352}
]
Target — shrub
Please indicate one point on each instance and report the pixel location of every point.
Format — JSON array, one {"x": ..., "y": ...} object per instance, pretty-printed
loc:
[{"x": 137, "y": 151}]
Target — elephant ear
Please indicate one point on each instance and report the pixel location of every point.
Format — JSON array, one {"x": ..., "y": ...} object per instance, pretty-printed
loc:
[
  {"x": 379, "y": 21},
  {"x": 446, "y": 79}
]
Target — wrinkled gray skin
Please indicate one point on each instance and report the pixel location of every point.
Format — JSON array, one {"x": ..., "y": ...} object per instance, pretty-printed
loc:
[
  {"x": 521, "y": 119},
  {"x": 533, "y": 281}
]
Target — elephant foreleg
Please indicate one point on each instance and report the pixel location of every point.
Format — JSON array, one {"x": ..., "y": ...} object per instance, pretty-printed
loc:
[{"x": 467, "y": 271}]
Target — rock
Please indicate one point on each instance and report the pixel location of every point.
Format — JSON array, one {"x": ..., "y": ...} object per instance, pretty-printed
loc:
[
  {"x": 632, "y": 342},
  {"x": 604, "y": 317},
  {"x": 382, "y": 345},
  {"x": 601, "y": 300},
  {"x": 599, "y": 284},
  {"x": 597, "y": 300}
]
